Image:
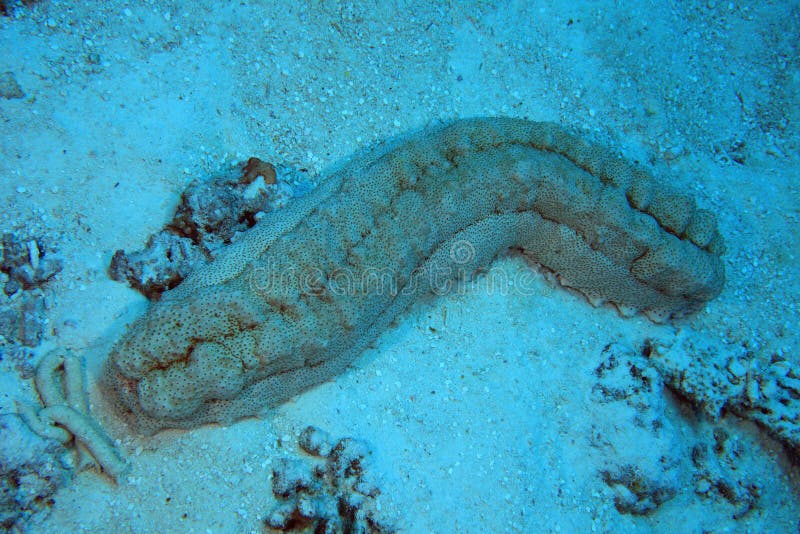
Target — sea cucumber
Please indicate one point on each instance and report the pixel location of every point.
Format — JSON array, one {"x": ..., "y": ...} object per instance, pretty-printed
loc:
[{"x": 297, "y": 299}]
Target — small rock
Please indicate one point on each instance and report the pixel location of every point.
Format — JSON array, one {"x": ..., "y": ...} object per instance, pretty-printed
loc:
[
  {"x": 23, "y": 319},
  {"x": 753, "y": 391},
  {"x": 780, "y": 368},
  {"x": 637, "y": 493},
  {"x": 212, "y": 213},
  {"x": 736, "y": 369},
  {"x": 9, "y": 88},
  {"x": 702, "y": 486},
  {"x": 721, "y": 475},
  {"x": 643, "y": 478},
  {"x": 30, "y": 472},
  {"x": 163, "y": 264},
  {"x": 347, "y": 457},
  {"x": 27, "y": 262},
  {"x": 25, "y": 266}
]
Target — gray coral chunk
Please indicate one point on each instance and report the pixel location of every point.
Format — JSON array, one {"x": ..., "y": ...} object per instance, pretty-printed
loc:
[
  {"x": 719, "y": 377},
  {"x": 327, "y": 494},
  {"x": 638, "y": 493},
  {"x": 28, "y": 262},
  {"x": 31, "y": 470},
  {"x": 162, "y": 264},
  {"x": 315, "y": 441},
  {"x": 718, "y": 473},
  {"x": 23, "y": 319},
  {"x": 643, "y": 478},
  {"x": 26, "y": 265},
  {"x": 212, "y": 212}
]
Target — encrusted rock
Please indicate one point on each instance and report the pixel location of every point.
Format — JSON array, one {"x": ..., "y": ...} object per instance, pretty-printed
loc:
[
  {"x": 255, "y": 168},
  {"x": 31, "y": 470},
  {"x": 17, "y": 359},
  {"x": 289, "y": 477},
  {"x": 715, "y": 378},
  {"x": 638, "y": 493},
  {"x": 28, "y": 262},
  {"x": 346, "y": 459},
  {"x": 212, "y": 213},
  {"x": 718, "y": 473},
  {"x": 23, "y": 319},
  {"x": 166, "y": 260},
  {"x": 631, "y": 391},
  {"x": 718, "y": 377},
  {"x": 26, "y": 265}
]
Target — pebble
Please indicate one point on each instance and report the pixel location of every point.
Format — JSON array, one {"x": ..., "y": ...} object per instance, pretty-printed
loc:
[
  {"x": 780, "y": 368},
  {"x": 9, "y": 87},
  {"x": 752, "y": 390},
  {"x": 702, "y": 486},
  {"x": 736, "y": 368}
]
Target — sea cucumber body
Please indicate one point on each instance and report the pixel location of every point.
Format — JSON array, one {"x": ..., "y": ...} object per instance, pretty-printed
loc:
[{"x": 298, "y": 298}]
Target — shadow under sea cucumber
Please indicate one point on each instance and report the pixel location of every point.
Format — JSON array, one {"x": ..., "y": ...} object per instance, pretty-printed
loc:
[{"x": 297, "y": 299}]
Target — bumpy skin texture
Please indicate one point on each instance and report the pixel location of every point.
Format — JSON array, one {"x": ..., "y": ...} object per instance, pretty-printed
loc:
[{"x": 297, "y": 299}]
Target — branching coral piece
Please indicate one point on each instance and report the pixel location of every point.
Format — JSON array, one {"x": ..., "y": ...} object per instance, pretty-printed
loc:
[{"x": 333, "y": 493}]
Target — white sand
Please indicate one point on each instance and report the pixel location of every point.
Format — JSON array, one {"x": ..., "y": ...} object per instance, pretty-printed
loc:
[{"x": 96, "y": 154}]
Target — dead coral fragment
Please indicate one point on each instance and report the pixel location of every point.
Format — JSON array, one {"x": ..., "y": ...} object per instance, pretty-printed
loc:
[
  {"x": 212, "y": 213},
  {"x": 716, "y": 377},
  {"x": 637, "y": 493},
  {"x": 163, "y": 264},
  {"x": 31, "y": 471},
  {"x": 28, "y": 262},
  {"x": 326, "y": 496},
  {"x": 719, "y": 474},
  {"x": 631, "y": 391},
  {"x": 26, "y": 265}
]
